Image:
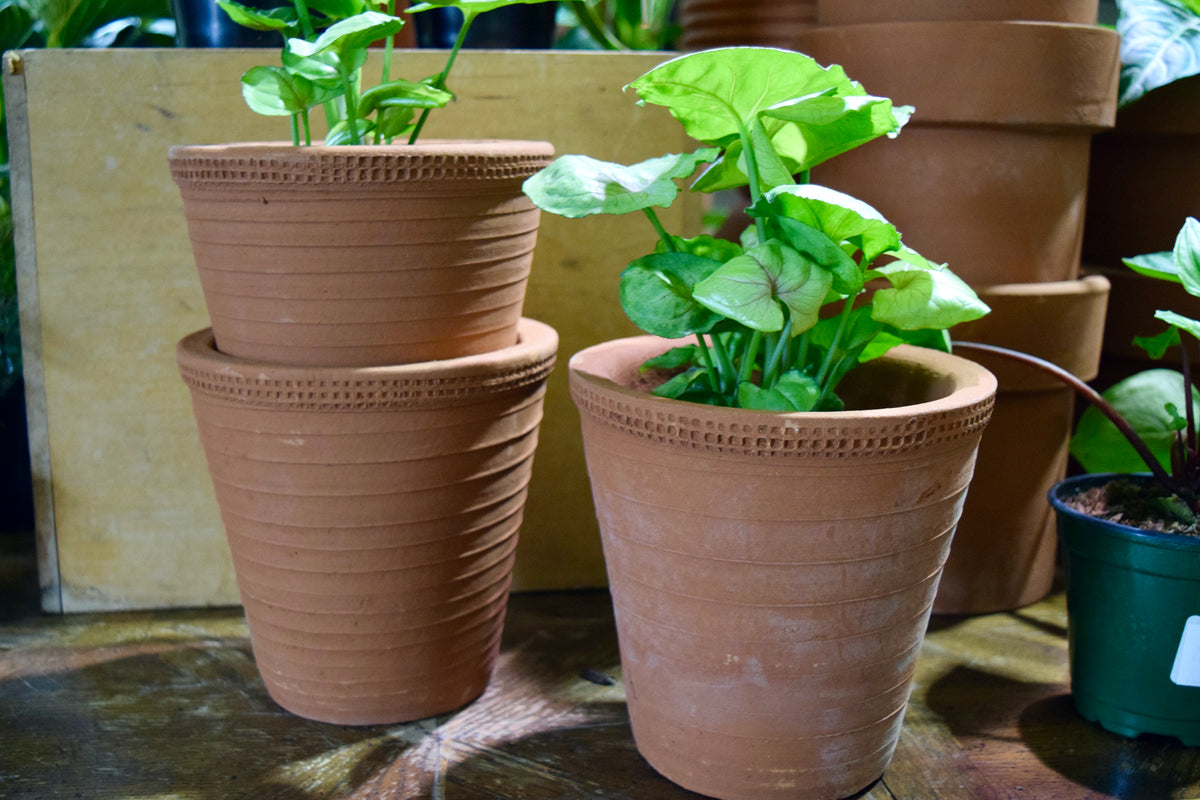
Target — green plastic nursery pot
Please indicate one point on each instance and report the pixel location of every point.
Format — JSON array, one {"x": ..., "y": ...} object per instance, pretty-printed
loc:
[{"x": 1133, "y": 603}]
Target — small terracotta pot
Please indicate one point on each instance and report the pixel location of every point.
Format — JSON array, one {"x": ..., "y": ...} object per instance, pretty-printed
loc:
[
  {"x": 991, "y": 173},
  {"x": 372, "y": 515},
  {"x": 1004, "y": 553},
  {"x": 361, "y": 256},
  {"x": 853, "y": 12},
  {"x": 772, "y": 574},
  {"x": 766, "y": 23}
]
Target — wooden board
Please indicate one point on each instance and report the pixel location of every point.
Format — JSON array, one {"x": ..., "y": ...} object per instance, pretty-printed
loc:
[{"x": 125, "y": 512}]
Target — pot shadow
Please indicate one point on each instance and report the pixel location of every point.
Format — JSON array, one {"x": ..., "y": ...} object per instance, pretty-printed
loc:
[
  {"x": 191, "y": 719},
  {"x": 1040, "y": 718}
]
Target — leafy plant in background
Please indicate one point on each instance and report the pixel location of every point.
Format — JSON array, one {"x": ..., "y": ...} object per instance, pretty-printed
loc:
[
  {"x": 621, "y": 24},
  {"x": 52, "y": 24},
  {"x": 1160, "y": 43},
  {"x": 325, "y": 68},
  {"x": 756, "y": 308},
  {"x": 1147, "y": 421}
]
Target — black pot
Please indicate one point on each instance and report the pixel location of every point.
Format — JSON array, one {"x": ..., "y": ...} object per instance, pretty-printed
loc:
[
  {"x": 516, "y": 27},
  {"x": 201, "y": 23}
]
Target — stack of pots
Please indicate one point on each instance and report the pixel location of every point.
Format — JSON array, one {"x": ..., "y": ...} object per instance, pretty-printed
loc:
[
  {"x": 368, "y": 399},
  {"x": 991, "y": 177}
]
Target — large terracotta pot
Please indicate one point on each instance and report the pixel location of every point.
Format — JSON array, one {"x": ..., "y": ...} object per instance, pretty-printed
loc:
[
  {"x": 359, "y": 256},
  {"x": 991, "y": 173},
  {"x": 853, "y": 12},
  {"x": 1004, "y": 554},
  {"x": 772, "y": 574},
  {"x": 766, "y": 23},
  {"x": 372, "y": 515}
]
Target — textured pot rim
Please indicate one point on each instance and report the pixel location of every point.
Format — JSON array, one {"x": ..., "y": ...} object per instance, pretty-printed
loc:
[
  {"x": 206, "y": 166},
  {"x": 429, "y": 384},
  {"x": 1165, "y": 541},
  {"x": 962, "y": 412},
  {"x": 1084, "y": 49}
]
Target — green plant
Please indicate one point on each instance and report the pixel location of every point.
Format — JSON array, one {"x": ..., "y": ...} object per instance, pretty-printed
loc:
[
  {"x": 1149, "y": 420},
  {"x": 757, "y": 308},
  {"x": 622, "y": 24},
  {"x": 325, "y": 68},
  {"x": 1160, "y": 43}
]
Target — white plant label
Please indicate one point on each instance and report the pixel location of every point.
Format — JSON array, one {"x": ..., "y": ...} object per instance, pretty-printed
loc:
[{"x": 1186, "y": 671}]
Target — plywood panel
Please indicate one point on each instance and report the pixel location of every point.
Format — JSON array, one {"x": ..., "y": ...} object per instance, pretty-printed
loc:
[{"x": 126, "y": 514}]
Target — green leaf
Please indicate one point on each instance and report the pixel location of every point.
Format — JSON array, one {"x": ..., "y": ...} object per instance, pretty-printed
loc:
[
  {"x": 1157, "y": 346},
  {"x": 576, "y": 186},
  {"x": 830, "y": 125},
  {"x": 335, "y": 10},
  {"x": 692, "y": 384},
  {"x": 794, "y": 391},
  {"x": 469, "y": 7},
  {"x": 322, "y": 69},
  {"x": 400, "y": 93},
  {"x": 16, "y": 26},
  {"x": 772, "y": 171},
  {"x": 924, "y": 295},
  {"x": 1155, "y": 265},
  {"x": 1180, "y": 322},
  {"x": 754, "y": 288},
  {"x": 282, "y": 19},
  {"x": 706, "y": 246},
  {"x": 675, "y": 358},
  {"x": 1160, "y": 43},
  {"x": 656, "y": 293},
  {"x": 340, "y": 133},
  {"x": 66, "y": 23},
  {"x": 349, "y": 37},
  {"x": 716, "y": 93},
  {"x": 275, "y": 91},
  {"x": 1143, "y": 400},
  {"x": 1187, "y": 256}
]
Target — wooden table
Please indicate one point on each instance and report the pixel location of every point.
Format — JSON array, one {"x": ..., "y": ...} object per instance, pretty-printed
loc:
[{"x": 169, "y": 705}]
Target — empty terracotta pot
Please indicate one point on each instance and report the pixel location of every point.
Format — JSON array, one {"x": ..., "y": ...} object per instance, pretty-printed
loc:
[
  {"x": 372, "y": 515},
  {"x": 766, "y": 23},
  {"x": 991, "y": 174},
  {"x": 361, "y": 256},
  {"x": 1004, "y": 554},
  {"x": 772, "y": 574},
  {"x": 853, "y": 12}
]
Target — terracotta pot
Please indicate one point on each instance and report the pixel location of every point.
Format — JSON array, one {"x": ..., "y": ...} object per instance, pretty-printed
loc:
[
  {"x": 1004, "y": 554},
  {"x": 361, "y": 256},
  {"x": 1145, "y": 176},
  {"x": 853, "y": 12},
  {"x": 772, "y": 574},
  {"x": 991, "y": 173},
  {"x": 372, "y": 515},
  {"x": 767, "y": 23}
]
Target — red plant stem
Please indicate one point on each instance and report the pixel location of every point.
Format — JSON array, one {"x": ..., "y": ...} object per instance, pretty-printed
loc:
[{"x": 1093, "y": 397}]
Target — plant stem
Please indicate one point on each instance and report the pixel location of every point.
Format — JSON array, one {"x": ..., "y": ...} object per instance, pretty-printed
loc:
[
  {"x": 775, "y": 354},
  {"x": 724, "y": 365},
  {"x": 595, "y": 26},
  {"x": 444, "y": 75},
  {"x": 1096, "y": 399},
  {"x": 662, "y": 232},
  {"x": 831, "y": 354},
  {"x": 760, "y": 225},
  {"x": 389, "y": 45},
  {"x": 713, "y": 378},
  {"x": 295, "y": 130},
  {"x": 306, "y": 26},
  {"x": 351, "y": 98},
  {"x": 749, "y": 356}
]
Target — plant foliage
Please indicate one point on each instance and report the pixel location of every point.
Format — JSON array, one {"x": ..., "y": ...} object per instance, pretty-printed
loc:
[
  {"x": 817, "y": 284},
  {"x": 1160, "y": 43}
]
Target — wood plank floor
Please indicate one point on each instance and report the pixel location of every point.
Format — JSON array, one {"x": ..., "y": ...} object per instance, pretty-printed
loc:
[{"x": 168, "y": 705}]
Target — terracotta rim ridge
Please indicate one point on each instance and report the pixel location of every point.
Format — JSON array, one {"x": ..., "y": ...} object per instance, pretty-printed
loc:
[
  {"x": 218, "y": 376},
  {"x": 213, "y": 166},
  {"x": 842, "y": 434}
]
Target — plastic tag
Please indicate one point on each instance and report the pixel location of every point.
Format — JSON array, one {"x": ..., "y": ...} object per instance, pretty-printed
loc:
[{"x": 1186, "y": 671}]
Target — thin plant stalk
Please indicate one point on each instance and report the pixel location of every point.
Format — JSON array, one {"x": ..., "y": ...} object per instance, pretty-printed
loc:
[
  {"x": 662, "y": 231},
  {"x": 444, "y": 75}
]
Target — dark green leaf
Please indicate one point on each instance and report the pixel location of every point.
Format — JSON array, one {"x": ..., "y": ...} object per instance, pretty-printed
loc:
[
  {"x": 403, "y": 94},
  {"x": 656, "y": 293},
  {"x": 794, "y": 391},
  {"x": 1157, "y": 346},
  {"x": 340, "y": 133},
  {"x": 839, "y": 216}
]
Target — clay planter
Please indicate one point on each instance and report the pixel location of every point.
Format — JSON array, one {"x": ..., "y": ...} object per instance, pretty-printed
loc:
[
  {"x": 1133, "y": 615},
  {"x": 991, "y": 173},
  {"x": 372, "y": 515},
  {"x": 766, "y": 23},
  {"x": 1004, "y": 554},
  {"x": 772, "y": 574},
  {"x": 359, "y": 256},
  {"x": 853, "y": 12}
]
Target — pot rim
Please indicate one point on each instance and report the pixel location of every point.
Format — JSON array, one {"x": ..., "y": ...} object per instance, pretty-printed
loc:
[
  {"x": 219, "y": 376},
  {"x": 1167, "y": 541},
  {"x": 962, "y": 412}
]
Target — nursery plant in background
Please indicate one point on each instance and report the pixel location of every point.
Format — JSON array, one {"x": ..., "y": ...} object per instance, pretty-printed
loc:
[
  {"x": 775, "y": 400},
  {"x": 1131, "y": 545}
]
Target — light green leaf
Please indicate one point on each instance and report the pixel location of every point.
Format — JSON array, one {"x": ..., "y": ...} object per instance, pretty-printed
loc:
[
  {"x": 576, "y": 186},
  {"x": 754, "y": 288},
  {"x": 337, "y": 9},
  {"x": 321, "y": 68},
  {"x": 656, "y": 293},
  {"x": 400, "y": 93},
  {"x": 349, "y": 36},
  {"x": 1187, "y": 256},
  {"x": 794, "y": 391},
  {"x": 340, "y": 133},
  {"x": 1155, "y": 265},
  {"x": 282, "y": 19},
  {"x": 1160, "y": 43},
  {"x": 1179, "y": 321},
  {"x": 924, "y": 295},
  {"x": 1143, "y": 400},
  {"x": 830, "y": 125},
  {"x": 275, "y": 91}
]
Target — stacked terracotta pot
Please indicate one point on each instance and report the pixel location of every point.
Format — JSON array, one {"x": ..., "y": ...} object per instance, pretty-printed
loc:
[
  {"x": 990, "y": 176},
  {"x": 368, "y": 399}
]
